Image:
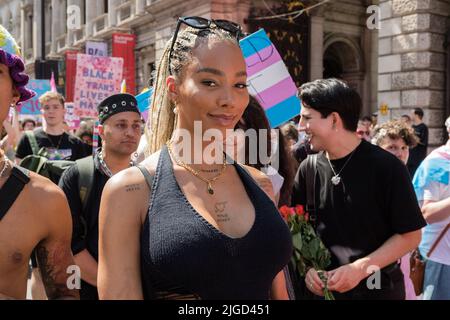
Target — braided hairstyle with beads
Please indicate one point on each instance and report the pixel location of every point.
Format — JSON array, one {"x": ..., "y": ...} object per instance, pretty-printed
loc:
[{"x": 162, "y": 120}]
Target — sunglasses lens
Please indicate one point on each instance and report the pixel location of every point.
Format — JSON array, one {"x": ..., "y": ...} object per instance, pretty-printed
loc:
[
  {"x": 228, "y": 25},
  {"x": 196, "y": 22}
]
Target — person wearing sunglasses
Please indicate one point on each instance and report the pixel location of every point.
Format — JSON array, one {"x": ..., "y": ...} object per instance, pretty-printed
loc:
[{"x": 178, "y": 228}]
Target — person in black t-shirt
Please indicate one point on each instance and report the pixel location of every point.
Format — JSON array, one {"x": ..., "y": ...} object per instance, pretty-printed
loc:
[
  {"x": 419, "y": 152},
  {"x": 59, "y": 144},
  {"x": 366, "y": 209},
  {"x": 120, "y": 131}
]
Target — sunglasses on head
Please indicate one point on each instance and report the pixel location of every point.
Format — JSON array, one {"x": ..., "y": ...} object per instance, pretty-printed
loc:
[{"x": 203, "y": 23}]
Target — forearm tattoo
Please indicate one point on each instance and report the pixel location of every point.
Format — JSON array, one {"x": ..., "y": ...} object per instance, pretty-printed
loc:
[{"x": 53, "y": 266}]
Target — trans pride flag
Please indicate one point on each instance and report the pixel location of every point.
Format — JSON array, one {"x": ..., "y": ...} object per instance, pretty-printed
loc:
[{"x": 269, "y": 80}]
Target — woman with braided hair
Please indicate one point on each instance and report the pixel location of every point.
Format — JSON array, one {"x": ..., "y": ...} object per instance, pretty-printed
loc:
[{"x": 177, "y": 228}]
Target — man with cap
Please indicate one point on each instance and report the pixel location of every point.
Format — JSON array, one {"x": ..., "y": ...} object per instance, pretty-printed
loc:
[
  {"x": 120, "y": 130},
  {"x": 26, "y": 220}
]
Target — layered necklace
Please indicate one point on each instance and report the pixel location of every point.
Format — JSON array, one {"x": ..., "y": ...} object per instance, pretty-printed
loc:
[
  {"x": 104, "y": 166},
  {"x": 208, "y": 182},
  {"x": 5, "y": 166}
]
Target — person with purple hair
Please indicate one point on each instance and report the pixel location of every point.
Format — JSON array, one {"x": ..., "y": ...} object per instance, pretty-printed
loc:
[{"x": 28, "y": 219}]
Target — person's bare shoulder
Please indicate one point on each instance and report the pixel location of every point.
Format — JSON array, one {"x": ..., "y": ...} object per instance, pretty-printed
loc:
[
  {"x": 262, "y": 180},
  {"x": 44, "y": 194},
  {"x": 129, "y": 186}
]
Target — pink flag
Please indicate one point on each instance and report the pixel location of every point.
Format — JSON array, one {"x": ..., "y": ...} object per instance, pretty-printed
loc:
[{"x": 53, "y": 83}]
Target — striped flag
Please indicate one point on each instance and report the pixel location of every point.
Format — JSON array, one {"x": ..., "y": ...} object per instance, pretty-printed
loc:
[
  {"x": 53, "y": 83},
  {"x": 269, "y": 80},
  {"x": 95, "y": 137}
]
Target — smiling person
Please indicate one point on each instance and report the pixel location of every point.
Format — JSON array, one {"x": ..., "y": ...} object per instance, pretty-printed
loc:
[
  {"x": 365, "y": 207},
  {"x": 211, "y": 231},
  {"x": 26, "y": 220},
  {"x": 120, "y": 130}
]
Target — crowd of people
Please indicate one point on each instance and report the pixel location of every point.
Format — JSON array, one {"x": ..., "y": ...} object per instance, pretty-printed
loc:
[{"x": 171, "y": 214}]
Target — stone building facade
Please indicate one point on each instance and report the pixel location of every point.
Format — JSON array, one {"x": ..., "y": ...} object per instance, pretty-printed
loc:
[{"x": 401, "y": 65}]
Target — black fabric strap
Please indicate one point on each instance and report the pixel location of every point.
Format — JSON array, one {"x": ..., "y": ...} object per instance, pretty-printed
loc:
[
  {"x": 147, "y": 175},
  {"x": 311, "y": 170},
  {"x": 12, "y": 188}
]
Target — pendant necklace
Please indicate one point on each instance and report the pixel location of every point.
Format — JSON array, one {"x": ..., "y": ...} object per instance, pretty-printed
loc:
[{"x": 336, "y": 179}]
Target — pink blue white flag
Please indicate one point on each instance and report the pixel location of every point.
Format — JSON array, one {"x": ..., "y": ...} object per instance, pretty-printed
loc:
[
  {"x": 95, "y": 137},
  {"x": 269, "y": 80}
]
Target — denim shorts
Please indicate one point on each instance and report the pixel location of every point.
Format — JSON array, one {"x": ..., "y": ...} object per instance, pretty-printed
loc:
[{"x": 436, "y": 284}]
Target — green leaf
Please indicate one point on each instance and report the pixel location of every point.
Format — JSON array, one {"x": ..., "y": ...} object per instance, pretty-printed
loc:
[{"x": 297, "y": 241}]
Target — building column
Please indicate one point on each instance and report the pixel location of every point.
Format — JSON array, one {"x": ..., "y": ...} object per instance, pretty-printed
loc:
[
  {"x": 38, "y": 42},
  {"x": 316, "y": 48},
  {"x": 55, "y": 24},
  {"x": 411, "y": 68},
  {"x": 112, "y": 13},
  {"x": 91, "y": 14}
]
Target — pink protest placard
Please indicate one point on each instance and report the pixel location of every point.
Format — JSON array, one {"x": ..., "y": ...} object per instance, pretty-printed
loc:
[
  {"x": 96, "y": 79},
  {"x": 72, "y": 120}
]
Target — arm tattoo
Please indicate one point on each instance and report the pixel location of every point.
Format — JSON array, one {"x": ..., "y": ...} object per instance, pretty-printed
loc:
[
  {"x": 54, "y": 276},
  {"x": 219, "y": 209},
  {"x": 132, "y": 187}
]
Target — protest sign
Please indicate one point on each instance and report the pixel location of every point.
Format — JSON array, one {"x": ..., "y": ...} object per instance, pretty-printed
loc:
[
  {"x": 31, "y": 107},
  {"x": 72, "y": 120},
  {"x": 97, "y": 78},
  {"x": 96, "y": 48}
]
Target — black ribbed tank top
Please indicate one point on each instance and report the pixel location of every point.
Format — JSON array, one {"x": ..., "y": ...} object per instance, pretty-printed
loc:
[{"x": 184, "y": 256}]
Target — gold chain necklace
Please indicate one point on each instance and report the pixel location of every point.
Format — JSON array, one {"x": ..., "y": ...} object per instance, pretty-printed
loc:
[
  {"x": 5, "y": 166},
  {"x": 195, "y": 172}
]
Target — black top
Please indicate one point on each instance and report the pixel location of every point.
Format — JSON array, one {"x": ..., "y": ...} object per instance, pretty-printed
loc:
[
  {"x": 183, "y": 255},
  {"x": 84, "y": 224},
  {"x": 418, "y": 153},
  {"x": 62, "y": 147},
  {"x": 374, "y": 200},
  {"x": 12, "y": 188}
]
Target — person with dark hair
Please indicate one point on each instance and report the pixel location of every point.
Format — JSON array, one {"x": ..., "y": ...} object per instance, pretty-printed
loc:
[
  {"x": 28, "y": 124},
  {"x": 182, "y": 226},
  {"x": 281, "y": 171},
  {"x": 406, "y": 119},
  {"x": 362, "y": 201},
  {"x": 34, "y": 213},
  {"x": 120, "y": 130},
  {"x": 419, "y": 152}
]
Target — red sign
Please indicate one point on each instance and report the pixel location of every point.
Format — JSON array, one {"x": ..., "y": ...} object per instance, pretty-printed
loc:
[
  {"x": 71, "y": 71},
  {"x": 123, "y": 47}
]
